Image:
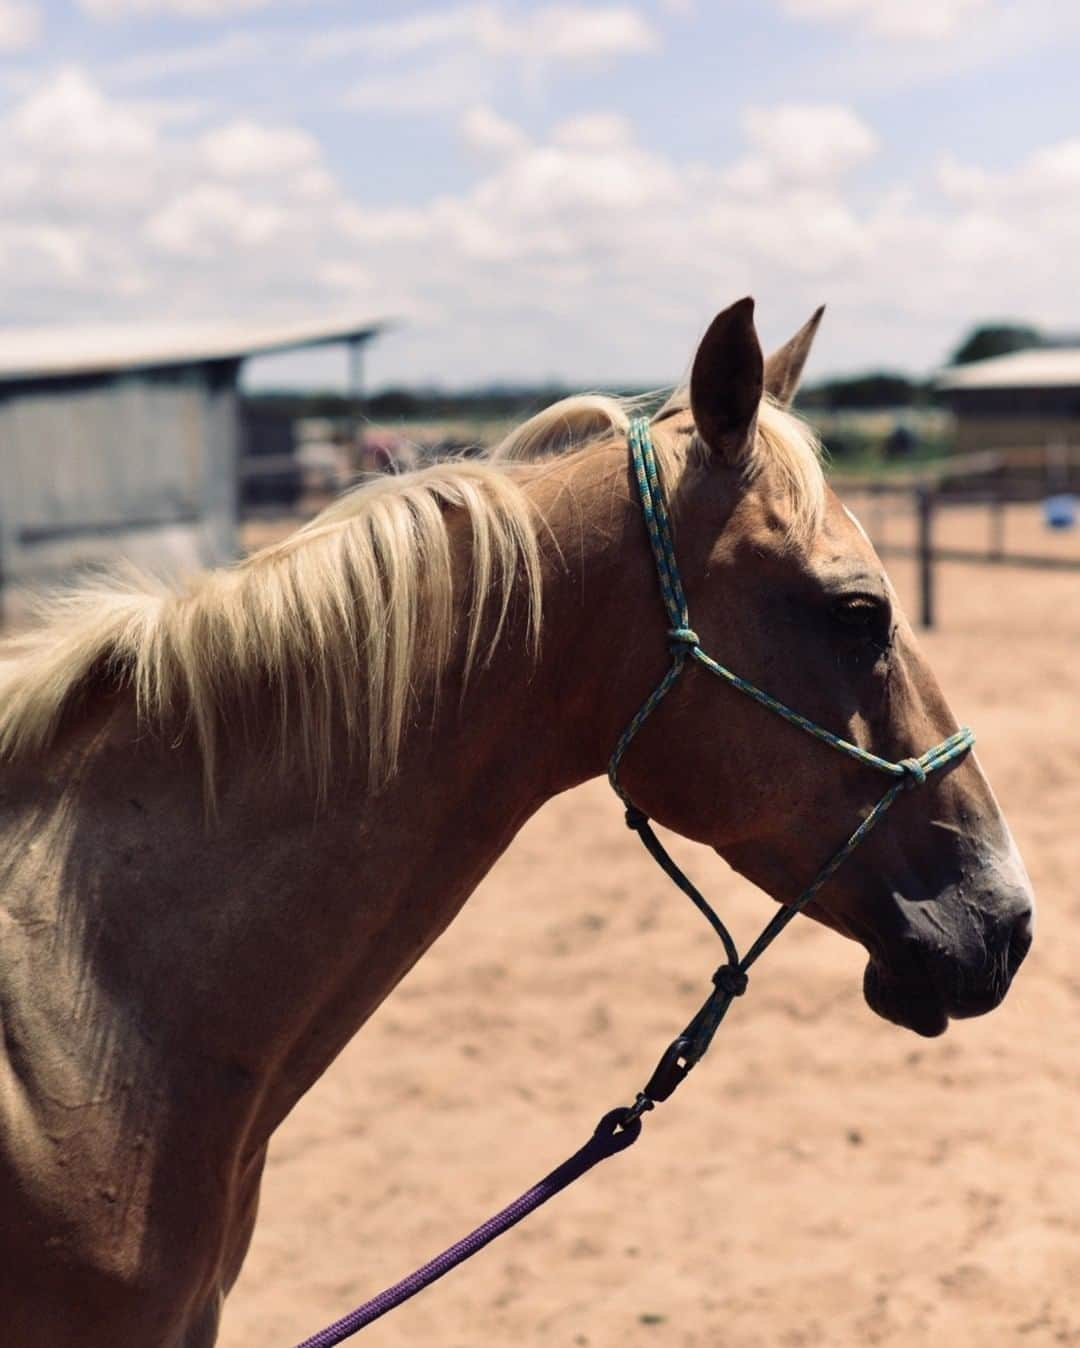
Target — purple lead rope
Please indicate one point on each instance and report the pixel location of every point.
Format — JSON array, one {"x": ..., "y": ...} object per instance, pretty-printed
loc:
[{"x": 614, "y": 1133}]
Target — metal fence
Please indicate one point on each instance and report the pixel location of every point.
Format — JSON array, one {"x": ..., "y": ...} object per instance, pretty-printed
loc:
[{"x": 992, "y": 481}]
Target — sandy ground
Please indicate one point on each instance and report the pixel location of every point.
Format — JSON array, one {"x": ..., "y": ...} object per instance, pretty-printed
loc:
[{"x": 823, "y": 1178}]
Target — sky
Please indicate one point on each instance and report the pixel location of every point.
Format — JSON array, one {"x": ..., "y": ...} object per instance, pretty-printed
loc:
[{"x": 535, "y": 191}]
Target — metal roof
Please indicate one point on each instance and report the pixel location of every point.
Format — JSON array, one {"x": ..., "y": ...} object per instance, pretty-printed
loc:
[
  {"x": 1051, "y": 367},
  {"x": 63, "y": 352}
]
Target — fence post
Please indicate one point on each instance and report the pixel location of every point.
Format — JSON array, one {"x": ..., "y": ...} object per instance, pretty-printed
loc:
[
  {"x": 877, "y": 515},
  {"x": 924, "y": 505},
  {"x": 996, "y": 551}
]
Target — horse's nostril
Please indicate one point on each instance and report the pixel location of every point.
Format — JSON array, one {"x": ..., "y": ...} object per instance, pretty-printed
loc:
[{"x": 1020, "y": 939}]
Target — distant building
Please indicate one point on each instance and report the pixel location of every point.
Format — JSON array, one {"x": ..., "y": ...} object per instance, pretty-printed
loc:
[
  {"x": 1026, "y": 399},
  {"x": 126, "y": 442}
]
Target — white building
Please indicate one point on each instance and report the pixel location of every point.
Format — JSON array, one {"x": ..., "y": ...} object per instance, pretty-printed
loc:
[
  {"x": 1027, "y": 399},
  {"x": 125, "y": 442}
]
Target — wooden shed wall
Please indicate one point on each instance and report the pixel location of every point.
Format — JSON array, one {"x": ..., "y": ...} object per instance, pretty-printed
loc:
[{"x": 142, "y": 465}]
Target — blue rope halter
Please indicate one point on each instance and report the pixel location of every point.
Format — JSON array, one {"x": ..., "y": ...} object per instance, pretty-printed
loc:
[{"x": 730, "y": 979}]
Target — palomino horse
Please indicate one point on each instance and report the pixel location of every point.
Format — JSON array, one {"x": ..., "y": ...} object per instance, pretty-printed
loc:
[{"x": 232, "y": 816}]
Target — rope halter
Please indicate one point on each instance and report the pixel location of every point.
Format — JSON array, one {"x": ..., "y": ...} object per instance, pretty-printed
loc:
[{"x": 730, "y": 980}]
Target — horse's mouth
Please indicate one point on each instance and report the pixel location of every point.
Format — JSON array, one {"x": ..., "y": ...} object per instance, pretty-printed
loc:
[
  {"x": 911, "y": 1002},
  {"x": 918, "y": 1001},
  {"x": 922, "y": 984}
]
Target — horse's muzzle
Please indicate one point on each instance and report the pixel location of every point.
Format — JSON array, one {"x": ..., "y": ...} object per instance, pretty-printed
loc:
[{"x": 956, "y": 959}]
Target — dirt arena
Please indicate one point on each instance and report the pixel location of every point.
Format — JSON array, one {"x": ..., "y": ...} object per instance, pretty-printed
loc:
[{"x": 822, "y": 1179}]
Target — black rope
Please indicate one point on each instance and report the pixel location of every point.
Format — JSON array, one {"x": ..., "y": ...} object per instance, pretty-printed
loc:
[{"x": 638, "y": 821}]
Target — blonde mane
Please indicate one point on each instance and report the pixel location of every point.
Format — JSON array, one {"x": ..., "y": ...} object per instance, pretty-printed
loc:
[{"x": 347, "y": 617}]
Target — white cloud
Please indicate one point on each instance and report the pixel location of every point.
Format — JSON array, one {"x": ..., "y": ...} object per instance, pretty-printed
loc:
[
  {"x": 483, "y": 129},
  {"x": 20, "y": 25},
  {"x": 1014, "y": 231},
  {"x": 479, "y": 24},
  {"x": 70, "y": 115},
  {"x": 188, "y": 9},
  {"x": 244, "y": 149},
  {"x": 801, "y": 143},
  {"x": 881, "y": 48},
  {"x": 150, "y": 65},
  {"x": 577, "y": 250},
  {"x": 594, "y": 131},
  {"x": 453, "y": 58},
  {"x": 586, "y": 33},
  {"x": 420, "y": 91},
  {"x": 211, "y": 218},
  {"x": 62, "y": 251},
  {"x": 917, "y": 19},
  {"x": 1041, "y": 195},
  {"x": 573, "y": 34},
  {"x": 109, "y": 202}
]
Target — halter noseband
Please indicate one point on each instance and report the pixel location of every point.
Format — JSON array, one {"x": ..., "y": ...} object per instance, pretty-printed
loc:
[{"x": 730, "y": 979}]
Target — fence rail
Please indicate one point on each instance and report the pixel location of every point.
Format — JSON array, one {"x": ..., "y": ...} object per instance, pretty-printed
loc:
[{"x": 991, "y": 478}]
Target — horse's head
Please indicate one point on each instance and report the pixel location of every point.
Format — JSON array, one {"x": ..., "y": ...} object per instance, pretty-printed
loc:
[{"x": 784, "y": 588}]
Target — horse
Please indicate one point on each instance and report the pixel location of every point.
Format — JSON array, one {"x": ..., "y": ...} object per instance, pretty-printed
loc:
[{"x": 236, "y": 809}]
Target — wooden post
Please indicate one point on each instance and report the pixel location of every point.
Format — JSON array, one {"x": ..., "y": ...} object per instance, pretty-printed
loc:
[
  {"x": 877, "y": 515},
  {"x": 997, "y": 516},
  {"x": 997, "y": 525},
  {"x": 356, "y": 402},
  {"x": 924, "y": 505}
]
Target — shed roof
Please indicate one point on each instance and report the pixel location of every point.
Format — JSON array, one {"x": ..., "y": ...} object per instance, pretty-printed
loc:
[
  {"x": 63, "y": 352},
  {"x": 1052, "y": 367}
]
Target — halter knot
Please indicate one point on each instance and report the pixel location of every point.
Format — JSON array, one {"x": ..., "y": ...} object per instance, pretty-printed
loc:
[
  {"x": 914, "y": 772},
  {"x": 731, "y": 979},
  {"x": 683, "y": 636},
  {"x": 635, "y": 818}
]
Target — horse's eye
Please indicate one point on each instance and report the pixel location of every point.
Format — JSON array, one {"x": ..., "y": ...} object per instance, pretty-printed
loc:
[{"x": 860, "y": 614}]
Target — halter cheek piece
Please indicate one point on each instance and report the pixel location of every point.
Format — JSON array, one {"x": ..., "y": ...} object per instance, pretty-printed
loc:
[{"x": 730, "y": 979}]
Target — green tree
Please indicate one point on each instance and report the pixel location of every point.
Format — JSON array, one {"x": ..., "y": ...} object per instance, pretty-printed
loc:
[
  {"x": 995, "y": 339},
  {"x": 879, "y": 388}
]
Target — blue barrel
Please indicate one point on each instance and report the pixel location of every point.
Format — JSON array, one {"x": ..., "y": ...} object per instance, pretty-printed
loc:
[{"x": 1059, "y": 512}]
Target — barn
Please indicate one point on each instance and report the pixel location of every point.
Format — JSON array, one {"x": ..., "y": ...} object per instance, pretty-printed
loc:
[
  {"x": 1028, "y": 399},
  {"x": 127, "y": 442}
]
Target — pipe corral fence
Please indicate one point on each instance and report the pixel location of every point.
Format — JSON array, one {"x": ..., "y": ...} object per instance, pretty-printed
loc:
[{"x": 992, "y": 481}]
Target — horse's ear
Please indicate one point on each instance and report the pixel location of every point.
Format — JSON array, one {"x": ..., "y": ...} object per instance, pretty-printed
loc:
[
  {"x": 727, "y": 382},
  {"x": 784, "y": 368}
]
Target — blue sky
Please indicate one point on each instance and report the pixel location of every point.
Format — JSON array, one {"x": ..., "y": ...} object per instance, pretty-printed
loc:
[{"x": 535, "y": 190}]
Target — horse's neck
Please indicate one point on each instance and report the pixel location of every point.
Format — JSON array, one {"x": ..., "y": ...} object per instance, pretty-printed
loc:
[
  {"x": 264, "y": 944},
  {"x": 392, "y": 870},
  {"x": 169, "y": 991}
]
